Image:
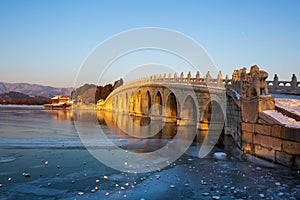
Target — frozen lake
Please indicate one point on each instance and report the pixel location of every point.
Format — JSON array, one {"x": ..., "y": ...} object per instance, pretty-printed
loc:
[{"x": 51, "y": 147}]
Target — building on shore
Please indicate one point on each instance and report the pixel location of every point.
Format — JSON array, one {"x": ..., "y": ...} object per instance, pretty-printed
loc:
[{"x": 59, "y": 102}]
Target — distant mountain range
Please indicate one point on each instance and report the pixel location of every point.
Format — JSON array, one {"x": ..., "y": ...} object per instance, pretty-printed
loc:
[{"x": 34, "y": 90}]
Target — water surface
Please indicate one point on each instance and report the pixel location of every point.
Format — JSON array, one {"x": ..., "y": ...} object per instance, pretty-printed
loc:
[{"x": 30, "y": 136}]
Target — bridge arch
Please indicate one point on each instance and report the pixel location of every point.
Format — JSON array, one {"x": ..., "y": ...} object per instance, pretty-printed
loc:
[
  {"x": 213, "y": 116},
  {"x": 138, "y": 103},
  {"x": 189, "y": 109},
  {"x": 147, "y": 103},
  {"x": 171, "y": 107},
  {"x": 132, "y": 103},
  {"x": 116, "y": 106},
  {"x": 158, "y": 103},
  {"x": 120, "y": 102},
  {"x": 125, "y": 103}
]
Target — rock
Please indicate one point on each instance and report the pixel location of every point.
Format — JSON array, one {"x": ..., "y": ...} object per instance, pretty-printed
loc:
[
  {"x": 280, "y": 194},
  {"x": 258, "y": 168},
  {"x": 122, "y": 188},
  {"x": 93, "y": 190},
  {"x": 105, "y": 177},
  {"x": 9, "y": 179},
  {"x": 46, "y": 163},
  {"x": 0, "y": 185},
  {"x": 126, "y": 184},
  {"x": 220, "y": 155},
  {"x": 26, "y": 175},
  {"x": 215, "y": 197},
  {"x": 117, "y": 185},
  {"x": 80, "y": 193},
  {"x": 73, "y": 182},
  {"x": 261, "y": 195},
  {"x": 205, "y": 194},
  {"x": 107, "y": 194},
  {"x": 97, "y": 181},
  {"x": 172, "y": 186},
  {"x": 49, "y": 184}
]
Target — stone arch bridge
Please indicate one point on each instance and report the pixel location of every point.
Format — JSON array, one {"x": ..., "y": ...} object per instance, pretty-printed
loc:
[
  {"x": 216, "y": 106},
  {"x": 181, "y": 100}
]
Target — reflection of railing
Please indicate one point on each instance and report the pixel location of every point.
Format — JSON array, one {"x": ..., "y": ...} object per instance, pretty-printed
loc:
[{"x": 276, "y": 86}]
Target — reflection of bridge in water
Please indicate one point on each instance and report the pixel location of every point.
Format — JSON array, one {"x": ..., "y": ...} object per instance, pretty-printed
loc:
[{"x": 152, "y": 137}]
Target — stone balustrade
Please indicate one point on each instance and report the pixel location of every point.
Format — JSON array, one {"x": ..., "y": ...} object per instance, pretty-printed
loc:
[
  {"x": 175, "y": 78},
  {"x": 289, "y": 87}
]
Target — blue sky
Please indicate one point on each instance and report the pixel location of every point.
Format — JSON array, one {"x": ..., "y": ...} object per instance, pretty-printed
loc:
[{"x": 46, "y": 42}]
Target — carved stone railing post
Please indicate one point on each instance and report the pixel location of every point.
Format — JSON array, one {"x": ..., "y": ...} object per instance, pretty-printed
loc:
[
  {"x": 226, "y": 79},
  {"x": 189, "y": 77},
  {"x": 170, "y": 77},
  {"x": 181, "y": 77},
  {"x": 164, "y": 78},
  {"x": 219, "y": 78},
  {"x": 294, "y": 82},
  {"x": 175, "y": 77},
  {"x": 275, "y": 82},
  {"x": 160, "y": 77},
  {"x": 198, "y": 77},
  {"x": 207, "y": 77}
]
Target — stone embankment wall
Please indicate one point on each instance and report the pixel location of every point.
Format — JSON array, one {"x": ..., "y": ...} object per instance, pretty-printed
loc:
[
  {"x": 233, "y": 118},
  {"x": 257, "y": 134},
  {"x": 273, "y": 142},
  {"x": 254, "y": 131}
]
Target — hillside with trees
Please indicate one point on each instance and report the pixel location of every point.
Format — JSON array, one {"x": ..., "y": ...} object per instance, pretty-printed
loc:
[{"x": 90, "y": 93}]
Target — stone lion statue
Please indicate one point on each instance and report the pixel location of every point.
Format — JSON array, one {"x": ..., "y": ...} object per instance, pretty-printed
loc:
[
  {"x": 259, "y": 83},
  {"x": 250, "y": 84}
]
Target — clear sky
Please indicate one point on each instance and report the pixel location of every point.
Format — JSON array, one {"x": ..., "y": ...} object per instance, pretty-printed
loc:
[{"x": 46, "y": 42}]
